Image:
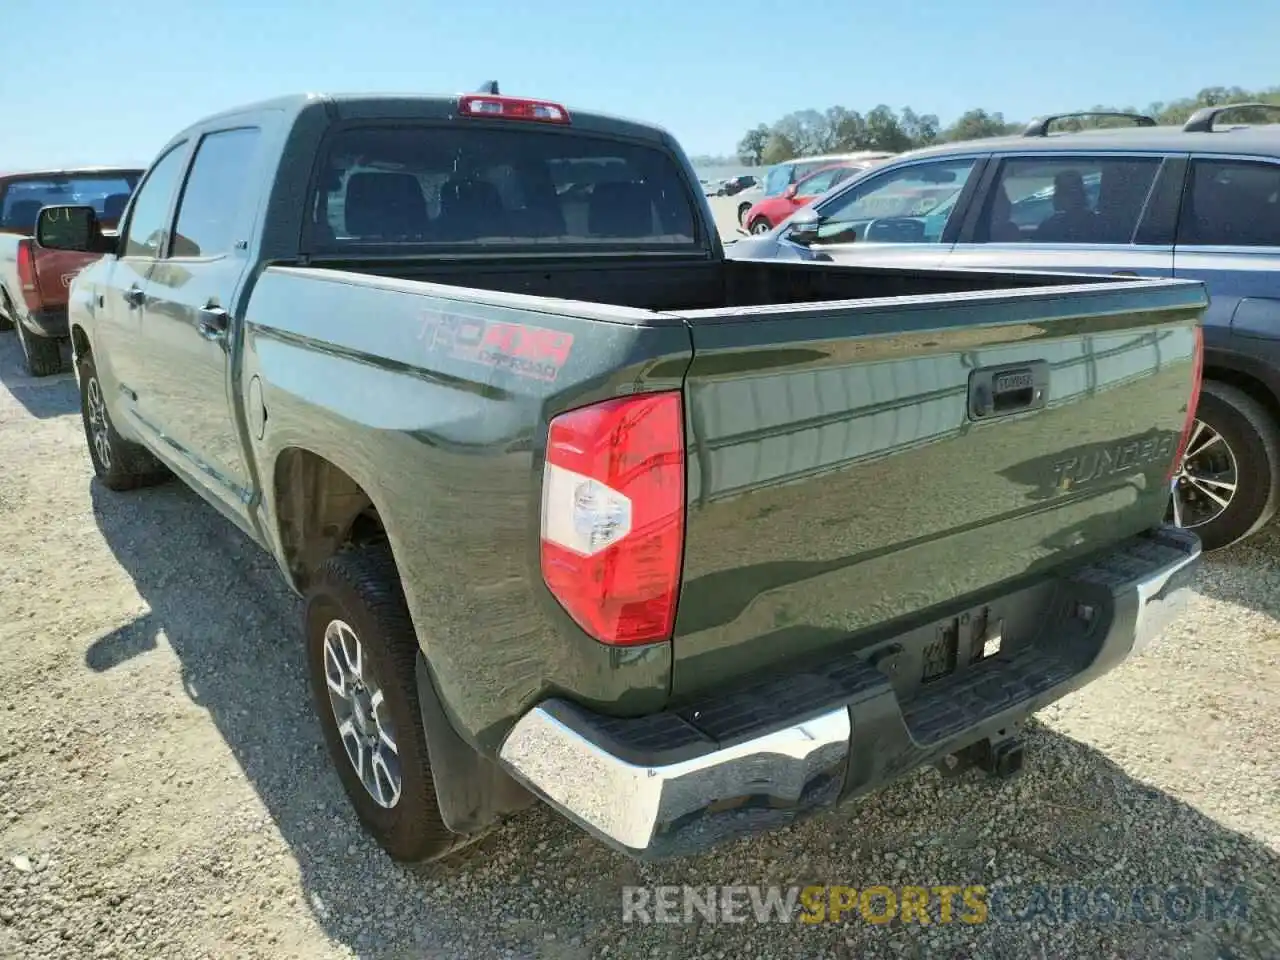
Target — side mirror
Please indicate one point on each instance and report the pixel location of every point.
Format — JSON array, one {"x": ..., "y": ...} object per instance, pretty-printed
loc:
[
  {"x": 790, "y": 192},
  {"x": 803, "y": 229},
  {"x": 72, "y": 228}
]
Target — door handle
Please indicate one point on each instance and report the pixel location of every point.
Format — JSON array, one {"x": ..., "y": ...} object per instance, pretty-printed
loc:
[
  {"x": 214, "y": 322},
  {"x": 134, "y": 297}
]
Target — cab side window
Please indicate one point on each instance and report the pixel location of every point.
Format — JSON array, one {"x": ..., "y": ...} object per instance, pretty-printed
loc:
[
  {"x": 1231, "y": 203},
  {"x": 213, "y": 197},
  {"x": 149, "y": 221},
  {"x": 1067, "y": 200},
  {"x": 912, "y": 204}
]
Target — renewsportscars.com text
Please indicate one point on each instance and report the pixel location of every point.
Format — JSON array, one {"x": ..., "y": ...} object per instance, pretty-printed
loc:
[{"x": 940, "y": 904}]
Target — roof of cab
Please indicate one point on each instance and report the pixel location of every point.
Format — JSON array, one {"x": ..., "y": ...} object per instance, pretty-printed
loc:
[
  {"x": 1262, "y": 140},
  {"x": 344, "y": 106},
  {"x": 69, "y": 171}
]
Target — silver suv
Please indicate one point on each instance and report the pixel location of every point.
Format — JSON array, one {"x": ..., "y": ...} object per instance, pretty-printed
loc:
[{"x": 1200, "y": 201}]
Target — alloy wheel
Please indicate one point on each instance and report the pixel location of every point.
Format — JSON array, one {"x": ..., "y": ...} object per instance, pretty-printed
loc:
[
  {"x": 360, "y": 711},
  {"x": 1206, "y": 480},
  {"x": 99, "y": 426}
]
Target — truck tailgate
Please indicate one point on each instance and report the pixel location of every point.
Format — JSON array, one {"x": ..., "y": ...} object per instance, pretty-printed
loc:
[{"x": 859, "y": 464}]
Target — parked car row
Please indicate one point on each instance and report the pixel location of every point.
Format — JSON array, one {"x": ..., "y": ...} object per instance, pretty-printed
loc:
[
  {"x": 781, "y": 176},
  {"x": 767, "y": 213},
  {"x": 1200, "y": 201},
  {"x": 583, "y": 508}
]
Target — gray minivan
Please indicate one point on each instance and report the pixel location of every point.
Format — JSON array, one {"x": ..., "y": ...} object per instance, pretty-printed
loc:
[{"x": 1200, "y": 201}]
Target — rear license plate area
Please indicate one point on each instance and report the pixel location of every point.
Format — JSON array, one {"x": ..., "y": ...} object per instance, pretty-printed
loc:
[{"x": 944, "y": 649}]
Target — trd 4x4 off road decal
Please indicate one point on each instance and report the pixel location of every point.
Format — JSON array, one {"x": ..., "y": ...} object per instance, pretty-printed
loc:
[{"x": 527, "y": 351}]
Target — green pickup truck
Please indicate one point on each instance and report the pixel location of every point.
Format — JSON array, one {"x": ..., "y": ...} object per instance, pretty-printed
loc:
[{"x": 583, "y": 509}]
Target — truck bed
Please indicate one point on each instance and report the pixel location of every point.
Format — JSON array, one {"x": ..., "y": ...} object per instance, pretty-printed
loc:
[
  {"x": 665, "y": 283},
  {"x": 839, "y": 484}
]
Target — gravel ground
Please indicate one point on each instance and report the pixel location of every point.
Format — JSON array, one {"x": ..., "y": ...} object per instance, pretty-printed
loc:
[{"x": 164, "y": 791}]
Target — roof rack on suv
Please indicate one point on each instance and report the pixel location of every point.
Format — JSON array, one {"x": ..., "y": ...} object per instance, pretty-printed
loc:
[
  {"x": 1039, "y": 127},
  {"x": 1202, "y": 120}
]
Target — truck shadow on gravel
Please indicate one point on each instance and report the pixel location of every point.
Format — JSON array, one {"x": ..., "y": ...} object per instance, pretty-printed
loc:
[
  {"x": 540, "y": 888},
  {"x": 41, "y": 397}
]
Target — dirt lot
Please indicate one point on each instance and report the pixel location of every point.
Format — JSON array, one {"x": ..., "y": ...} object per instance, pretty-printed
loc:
[{"x": 164, "y": 791}]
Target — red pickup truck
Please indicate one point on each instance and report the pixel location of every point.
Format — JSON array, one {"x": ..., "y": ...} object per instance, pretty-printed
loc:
[{"x": 34, "y": 282}]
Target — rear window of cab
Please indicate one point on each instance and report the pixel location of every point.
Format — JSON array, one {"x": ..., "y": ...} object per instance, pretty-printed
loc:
[{"x": 460, "y": 187}]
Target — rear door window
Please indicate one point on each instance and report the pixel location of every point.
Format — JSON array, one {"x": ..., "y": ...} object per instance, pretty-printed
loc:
[
  {"x": 1089, "y": 200},
  {"x": 1231, "y": 203},
  {"x": 214, "y": 194},
  {"x": 456, "y": 187}
]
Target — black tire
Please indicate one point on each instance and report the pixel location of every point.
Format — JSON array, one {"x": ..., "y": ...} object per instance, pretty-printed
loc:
[
  {"x": 6, "y": 320},
  {"x": 1251, "y": 434},
  {"x": 361, "y": 587},
  {"x": 41, "y": 356},
  {"x": 743, "y": 208},
  {"x": 123, "y": 465},
  {"x": 759, "y": 226}
]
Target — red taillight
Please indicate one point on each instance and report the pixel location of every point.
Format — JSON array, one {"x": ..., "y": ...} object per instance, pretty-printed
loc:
[
  {"x": 1197, "y": 374},
  {"x": 511, "y": 108},
  {"x": 613, "y": 516},
  {"x": 26, "y": 264}
]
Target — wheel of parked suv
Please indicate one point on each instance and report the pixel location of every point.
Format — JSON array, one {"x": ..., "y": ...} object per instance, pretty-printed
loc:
[
  {"x": 742, "y": 211},
  {"x": 1228, "y": 484},
  {"x": 361, "y": 652},
  {"x": 760, "y": 225},
  {"x": 118, "y": 463}
]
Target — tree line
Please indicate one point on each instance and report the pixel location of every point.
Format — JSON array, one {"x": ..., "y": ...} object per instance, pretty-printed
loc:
[{"x": 841, "y": 130}]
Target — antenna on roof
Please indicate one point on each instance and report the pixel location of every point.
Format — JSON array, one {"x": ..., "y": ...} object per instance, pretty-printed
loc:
[{"x": 490, "y": 87}]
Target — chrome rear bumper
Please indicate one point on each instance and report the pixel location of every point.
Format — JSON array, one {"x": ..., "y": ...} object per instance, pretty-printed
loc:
[{"x": 658, "y": 786}]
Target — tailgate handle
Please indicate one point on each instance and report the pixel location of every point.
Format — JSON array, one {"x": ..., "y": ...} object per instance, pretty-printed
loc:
[{"x": 1008, "y": 389}]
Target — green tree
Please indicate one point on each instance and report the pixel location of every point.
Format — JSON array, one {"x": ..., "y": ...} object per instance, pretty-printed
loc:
[
  {"x": 777, "y": 148},
  {"x": 839, "y": 129},
  {"x": 751, "y": 146},
  {"x": 847, "y": 129},
  {"x": 884, "y": 131},
  {"x": 921, "y": 130},
  {"x": 975, "y": 125}
]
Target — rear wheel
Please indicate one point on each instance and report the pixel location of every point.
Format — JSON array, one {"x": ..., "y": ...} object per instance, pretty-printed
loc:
[
  {"x": 41, "y": 356},
  {"x": 361, "y": 655},
  {"x": 760, "y": 225},
  {"x": 118, "y": 463},
  {"x": 1228, "y": 484},
  {"x": 742, "y": 211}
]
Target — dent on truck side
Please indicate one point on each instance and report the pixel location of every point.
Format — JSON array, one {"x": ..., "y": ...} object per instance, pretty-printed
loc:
[{"x": 375, "y": 405}]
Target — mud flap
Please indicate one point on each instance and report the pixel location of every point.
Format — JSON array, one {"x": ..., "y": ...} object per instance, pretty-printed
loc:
[{"x": 474, "y": 793}]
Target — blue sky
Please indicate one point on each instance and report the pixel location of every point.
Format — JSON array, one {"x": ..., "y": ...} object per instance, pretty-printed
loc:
[{"x": 705, "y": 70}]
